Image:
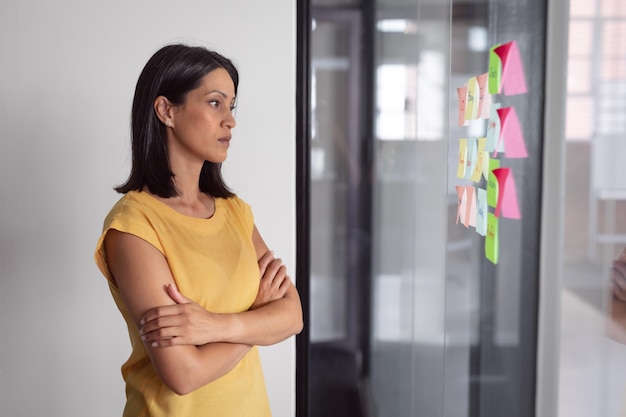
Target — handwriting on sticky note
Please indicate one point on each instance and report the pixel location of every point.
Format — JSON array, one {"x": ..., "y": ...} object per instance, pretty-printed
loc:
[
  {"x": 473, "y": 97},
  {"x": 479, "y": 159},
  {"x": 472, "y": 156},
  {"x": 492, "y": 183},
  {"x": 460, "y": 171},
  {"x": 493, "y": 128},
  {"x": 495, "y": 71},
  {"x": 491, "y": 238},
  {"x": 462, "y": 94},
  {"x": 481, "y": 211},
  {"x": 484, "y": 98}
]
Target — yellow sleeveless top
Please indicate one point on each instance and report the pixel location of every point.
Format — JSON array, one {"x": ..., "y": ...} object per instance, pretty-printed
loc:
[{"x": 214, "y": 263}]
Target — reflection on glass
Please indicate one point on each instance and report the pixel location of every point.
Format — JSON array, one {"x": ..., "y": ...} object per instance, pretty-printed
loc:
[
  {"x": 409, "y": 213},
  {"x": 329, "y": 178}
]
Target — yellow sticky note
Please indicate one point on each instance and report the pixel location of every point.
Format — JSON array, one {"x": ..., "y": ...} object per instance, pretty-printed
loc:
[
  {"x": 471, "y": 106},
  {"x": 460, "y": 172},
  {"x": 486, "y": 164},
  {"x": 480, "y": 160}
]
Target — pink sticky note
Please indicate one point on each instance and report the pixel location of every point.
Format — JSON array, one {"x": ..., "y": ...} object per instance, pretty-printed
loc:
[
  {"x": 486, "y": 103},
  {"x": 461, "y": 208},
  {"x": 470, "y": 207},
  {"x": 462, "y": 93},
  {"x": 507, "y": 194},
  {"x": 511, "y": 133},
  {"x": 513, "y": 79},
  {"x": 482, "y": 95}
]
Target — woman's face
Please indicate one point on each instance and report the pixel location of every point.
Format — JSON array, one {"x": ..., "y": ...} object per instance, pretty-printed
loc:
[{"x": 201, "y": 127}]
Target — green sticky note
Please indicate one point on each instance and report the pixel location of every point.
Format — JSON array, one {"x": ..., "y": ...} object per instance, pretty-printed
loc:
[
  {"x": 495, "y": 71},
  {"x": 492, "y": 183},
  {"x": 491, "y": 239}
]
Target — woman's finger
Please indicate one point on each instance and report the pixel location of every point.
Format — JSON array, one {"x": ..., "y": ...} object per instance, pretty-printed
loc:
[
  {"x": 161, "y": 323},
  {"x": 265, "y": 260},
  {"x": 167, "y": 342},
  {"x": 273, "y": 269},
  {"x": 175, "y": 295},
  {"x": 161, "y": 311}
]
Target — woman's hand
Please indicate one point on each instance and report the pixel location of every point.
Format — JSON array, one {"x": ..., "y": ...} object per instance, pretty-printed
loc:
[
  {"x": 185, "y": 323},
  {"x": 274, "y": 281}
]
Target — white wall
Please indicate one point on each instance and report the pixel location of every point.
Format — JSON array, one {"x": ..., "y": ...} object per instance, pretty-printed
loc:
[{"x": 67, "y": 74}]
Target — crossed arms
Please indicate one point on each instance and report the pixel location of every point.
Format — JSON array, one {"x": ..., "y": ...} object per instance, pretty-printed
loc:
[{"x": 188, "y": 345}]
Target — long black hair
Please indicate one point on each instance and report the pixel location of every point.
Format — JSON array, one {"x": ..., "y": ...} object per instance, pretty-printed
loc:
[{"x": 172, "y": 72}]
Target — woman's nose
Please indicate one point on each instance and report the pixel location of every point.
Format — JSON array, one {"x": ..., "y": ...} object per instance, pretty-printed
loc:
[{"x": 229, "y": 121}]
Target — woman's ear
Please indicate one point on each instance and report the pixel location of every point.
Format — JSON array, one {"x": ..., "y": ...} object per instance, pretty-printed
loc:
[{"x": 163, "y": 110}]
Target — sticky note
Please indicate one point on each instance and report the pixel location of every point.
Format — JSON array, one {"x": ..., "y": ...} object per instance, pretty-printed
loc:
[
  {"x": 507, "y": 205},
  {"x": 479, "y": 158},
  {"x": 472, "y": 156},
  {"x": 484, "y": 98},
  {"x": 460, "y": 171},
  {"x": 486, "y": 106},
  {"x": 513, "y": 80},
  {"x": 492, "y": 183},
  {"x": 493, "y": 128},
  {"x": 462, "y": 94},
  {"x": 511, "y": 133},
  {"x": 486, "y": 164},
  {"x": 481, "y": 211},
  {"x": 461, "y": 204},
  {"x": 491, "y": 238},
  {"x": 470, "y": 207},
  {"x": 494, "y": 71},
  {"x": 472, "y": 104}
]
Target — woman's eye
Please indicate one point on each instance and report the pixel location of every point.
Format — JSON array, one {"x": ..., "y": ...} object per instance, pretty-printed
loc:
[{"x": 214, "y": 103}]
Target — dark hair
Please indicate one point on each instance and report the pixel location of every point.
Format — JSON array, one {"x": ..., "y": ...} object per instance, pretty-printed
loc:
[{"x": 172, "y": 72}]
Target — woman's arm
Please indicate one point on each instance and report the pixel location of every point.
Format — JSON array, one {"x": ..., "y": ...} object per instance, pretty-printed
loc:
[
  {"x": 274, "y": 321},
  {"x": 275, "y": 315},
  {"x": 142, "y": 275}
]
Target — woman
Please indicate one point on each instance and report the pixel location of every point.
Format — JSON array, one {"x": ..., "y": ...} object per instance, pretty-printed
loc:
[{"x": 187, "y": 267}]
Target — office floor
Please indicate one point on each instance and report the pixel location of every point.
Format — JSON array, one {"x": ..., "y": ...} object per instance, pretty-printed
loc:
[{"x": 593, "y": 368}]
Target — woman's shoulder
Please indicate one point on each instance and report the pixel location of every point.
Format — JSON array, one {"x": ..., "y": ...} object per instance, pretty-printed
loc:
[
  {"x": 235, "y": 206},
  {"x": 235, "y": 201},
  {"x": 132, "y": 205}
]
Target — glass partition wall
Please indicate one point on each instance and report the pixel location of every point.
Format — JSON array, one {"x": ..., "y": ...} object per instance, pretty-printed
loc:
[
  {"x": 450, "y": 321},
  {"x": 409, "y": 312}
]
